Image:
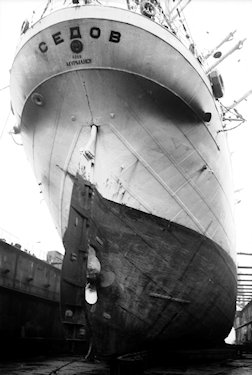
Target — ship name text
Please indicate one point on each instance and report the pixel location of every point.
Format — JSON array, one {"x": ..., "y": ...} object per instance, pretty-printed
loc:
[
  {"x": 75, "y": 38},
  {"x": 78, "y": 62}
]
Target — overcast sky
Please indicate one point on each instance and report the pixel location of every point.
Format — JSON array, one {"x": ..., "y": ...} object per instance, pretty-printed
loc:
[{"x": 22, "y": 209}]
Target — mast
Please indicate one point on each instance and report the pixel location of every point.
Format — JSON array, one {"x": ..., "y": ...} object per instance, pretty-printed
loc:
[
  {"x": 183, "y": 6},
  {"x": 236, "y": 102},
  {"x": 228, "y": 38},
  {"x": 170, "y": 7},
  {"x": 232, "y": 50}
]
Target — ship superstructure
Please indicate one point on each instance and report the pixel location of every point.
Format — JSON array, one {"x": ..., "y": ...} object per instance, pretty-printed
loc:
[{"x": 122, "y": 128}]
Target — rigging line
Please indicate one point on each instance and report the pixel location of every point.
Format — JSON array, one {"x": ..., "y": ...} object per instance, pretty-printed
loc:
[
  {"x": 5, "y": 87},
  {"x": 227, "y": 130},
  {"x": 45, "y": 9},
  {"x": 232, "y": 111},
  {"x": 5, "y": 124},
  {"x": 18, "y": 144}
]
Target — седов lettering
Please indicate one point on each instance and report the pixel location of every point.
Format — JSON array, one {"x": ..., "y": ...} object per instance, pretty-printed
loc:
[{"x": 74, "y": 33}]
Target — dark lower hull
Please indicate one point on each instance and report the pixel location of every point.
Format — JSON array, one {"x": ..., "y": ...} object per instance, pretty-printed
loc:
[{"x": 159, "y": 282}]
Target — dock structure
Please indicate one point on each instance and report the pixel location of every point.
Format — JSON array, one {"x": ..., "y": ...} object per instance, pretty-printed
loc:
[
  {"x": 77, "y": 366},
  {"x": 29, "y": 308},
  {"x": 244, "y": 280}
]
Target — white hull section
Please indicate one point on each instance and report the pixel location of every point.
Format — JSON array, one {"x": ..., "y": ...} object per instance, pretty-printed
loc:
[{"x": 147, "y": 96}]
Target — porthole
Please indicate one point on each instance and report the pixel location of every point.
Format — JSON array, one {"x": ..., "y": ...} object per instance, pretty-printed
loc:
[{"x": 38, "y": 99}]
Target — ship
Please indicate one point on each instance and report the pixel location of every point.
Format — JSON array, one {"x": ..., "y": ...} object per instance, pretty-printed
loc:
[{"x": 122, "y": 126}]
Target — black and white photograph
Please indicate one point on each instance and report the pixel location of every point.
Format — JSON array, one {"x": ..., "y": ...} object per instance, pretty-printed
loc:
[{"x": 125, "y": 187}]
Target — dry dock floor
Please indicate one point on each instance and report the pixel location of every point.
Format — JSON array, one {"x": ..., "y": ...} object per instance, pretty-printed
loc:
[{"x": 76, "y": 366}]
